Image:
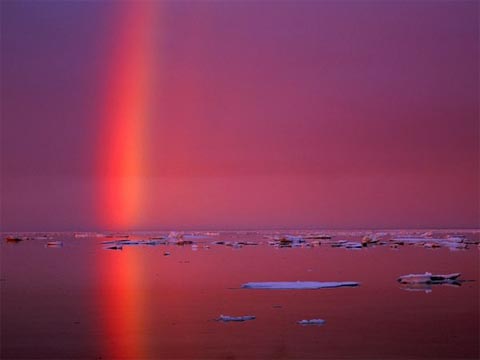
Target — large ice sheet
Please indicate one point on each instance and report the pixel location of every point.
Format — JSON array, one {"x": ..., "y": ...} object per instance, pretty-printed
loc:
[{"x": 298, "y": 285}]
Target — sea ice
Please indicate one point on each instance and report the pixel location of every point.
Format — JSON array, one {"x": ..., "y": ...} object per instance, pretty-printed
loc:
[
  {"x": 297, "y": 285},
  {"x": 367, "y": 239},
  {"x": 236, "y": 318},
  {"x": 352, "y": 245},
  {"x": 311, "y": 322},
  {"x": 129, "y": 242},
  {"x": 428, "y": 278}
]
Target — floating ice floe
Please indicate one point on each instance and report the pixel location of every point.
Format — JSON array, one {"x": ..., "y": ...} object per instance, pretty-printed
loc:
[
  {"x": 212, "y": 233},
  {"x": 457, "y": 242},
  {"x": 346, "y": 244},
  {"x": 338, "y": 243},
  {"x": 235, "y": 318},
  {"x": 130, "y": 242},
  {"x": 118, "y": 244},
  {"x": 81, "y": 235},
  {"x": 428, "y": 278},
  {"x": 235, "y": 244},
  {"x": 298, "y": 285},
  {"x": 287, "y": 241},
  {"x": 352, "y": 245},
  {"x": 367, "y": 240},
  {"x": 318, "y": 237},
  {"x": 311, "y": 322}
]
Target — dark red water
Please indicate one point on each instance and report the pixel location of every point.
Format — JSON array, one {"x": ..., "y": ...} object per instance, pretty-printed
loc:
[{"x": 81, "y": 301}]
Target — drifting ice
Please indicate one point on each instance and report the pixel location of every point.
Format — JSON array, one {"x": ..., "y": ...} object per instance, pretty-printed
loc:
[
  {"x": 427, "y": 278},
  {"x": 298, "y": 285},
  {"x": 236, "y": 318},
  {"x": 311, "y": 322}
]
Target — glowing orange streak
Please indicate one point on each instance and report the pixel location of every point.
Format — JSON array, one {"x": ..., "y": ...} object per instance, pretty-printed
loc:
[
  {"x": 126, "y": 114},
  {"x": 123, "y": 302},
  {"x": 122, "y": 165}
]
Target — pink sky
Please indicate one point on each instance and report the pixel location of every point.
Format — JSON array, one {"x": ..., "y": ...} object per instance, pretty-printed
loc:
[{"x": 260, "y": 115}]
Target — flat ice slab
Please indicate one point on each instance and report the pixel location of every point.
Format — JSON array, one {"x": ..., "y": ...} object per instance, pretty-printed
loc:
[
  {"x": 236, "y": 318},
  {"x": 427, "y": 278},
  {"x": 311, "y": 322},
  {"x": 298, "y": 285}
]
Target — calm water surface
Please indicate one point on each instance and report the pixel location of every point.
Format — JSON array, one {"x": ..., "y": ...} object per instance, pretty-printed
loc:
[{"x": 81, "y": 301}]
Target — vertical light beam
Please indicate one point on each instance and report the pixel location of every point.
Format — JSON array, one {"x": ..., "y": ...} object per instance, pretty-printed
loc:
[{"x": 126, "y": 113}]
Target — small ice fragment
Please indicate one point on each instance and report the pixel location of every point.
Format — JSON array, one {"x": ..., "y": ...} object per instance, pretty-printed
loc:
[
  {"x": 175, "y": 235},
  {"x": 455, "y": 245},
  {"x": 297, "y": 285},
  {"x": 54, "y": 244},
  {"x": 367, "y": 239},
  {"x": 247, "y": 243},
  {"x": 456, "y": 238},
  {"x": 339, "y": 243},
  {"x": 431, "y": 245},
  {"x": 166, "y": 253},
  {"x": 129, "y": 242},
  {"x": 212, "y": 233},
  {"x": 352, "y": 245},
  {"x": 194, "y": 237},
  {"x": 311, "y": 322},
  {"x": 318, "y": 237},
  {"x": 427, "y": 278},
  {"x": 236, "y": 318},
  {"x": 153, "y": 242},
  {"x": 182, "y": 242},
  {"x": 80, "y": 235}
]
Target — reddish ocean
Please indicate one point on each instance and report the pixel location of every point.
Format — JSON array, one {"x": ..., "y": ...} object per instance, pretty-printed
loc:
[{"x": 68, "y": 296}]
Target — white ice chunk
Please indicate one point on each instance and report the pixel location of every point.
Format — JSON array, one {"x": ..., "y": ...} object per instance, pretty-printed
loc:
[
  {"x": 427, "y": 278},
  {"x": 236, "y": 318},
  {"x": 311, "y": 322},
  {"x": 297, "y": 285}
]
